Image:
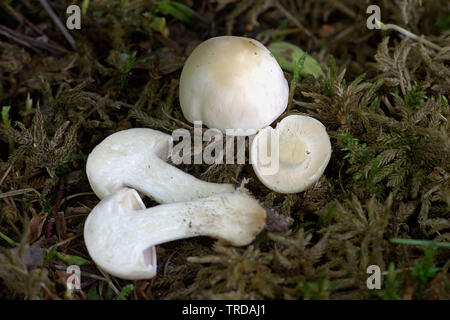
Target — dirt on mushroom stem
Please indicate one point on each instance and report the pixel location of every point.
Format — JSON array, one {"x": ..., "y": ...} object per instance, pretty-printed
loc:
[{"x": 387, "y": 177}]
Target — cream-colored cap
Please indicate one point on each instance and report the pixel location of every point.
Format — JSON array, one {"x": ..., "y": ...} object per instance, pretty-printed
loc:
[
  {"x": 232, "y": 83},
  {"x": 293, "y": 156}
]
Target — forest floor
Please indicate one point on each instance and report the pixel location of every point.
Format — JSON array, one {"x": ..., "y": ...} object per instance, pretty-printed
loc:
[{"x": 383, "y": 200}]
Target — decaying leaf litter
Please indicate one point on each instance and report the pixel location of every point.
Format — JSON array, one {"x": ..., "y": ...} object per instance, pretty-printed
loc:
[{"x": 384, "y": 198}]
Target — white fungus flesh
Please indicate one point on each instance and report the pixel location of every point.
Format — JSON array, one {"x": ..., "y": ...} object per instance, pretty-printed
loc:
[
  {"x": 136, "y": 158},
  {"x": 120, "y": 234},
  {"x": 233, "y": 83},
  {"x": 298, "y": 157}
]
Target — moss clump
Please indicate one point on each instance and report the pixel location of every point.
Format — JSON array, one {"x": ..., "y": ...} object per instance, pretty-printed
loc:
[{"x": 383, "y": 99}]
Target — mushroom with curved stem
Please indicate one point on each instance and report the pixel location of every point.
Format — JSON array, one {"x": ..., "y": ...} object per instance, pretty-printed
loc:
[
  {"x": 233, "y": 83},
  {"x": 300, "y": 150},
  {"x": 120, "y": 234},
  {"x": 135, "y": 158}
]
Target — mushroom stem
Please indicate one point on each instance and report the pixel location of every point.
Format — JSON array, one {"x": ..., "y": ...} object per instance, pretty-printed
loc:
[
  {"x": 166, "y": 184},
  {"x": 120, "y": 235},
  {"x": 136, "y": 158}
]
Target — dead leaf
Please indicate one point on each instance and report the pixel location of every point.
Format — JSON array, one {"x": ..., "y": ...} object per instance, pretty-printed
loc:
[{"x": 36, "y": 225}]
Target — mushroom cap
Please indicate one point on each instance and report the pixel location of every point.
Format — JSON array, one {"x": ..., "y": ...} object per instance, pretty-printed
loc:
[
  {"x": 121, "y": 155},
  {"x": 232, "y": 83},
  {"x": 111, "y": 245},
  {"x": 298, "y": 159}
]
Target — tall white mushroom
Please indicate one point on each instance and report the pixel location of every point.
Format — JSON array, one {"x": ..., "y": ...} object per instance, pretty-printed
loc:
[
  {"x": 136, "y": 158},
  {"x": 293, "y": 156},
  {"x": 232, "y": 83},
  {"x": 120, "y": 234}
]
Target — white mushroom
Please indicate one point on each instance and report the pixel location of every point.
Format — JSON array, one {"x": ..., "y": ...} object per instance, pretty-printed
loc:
[
  {"x": 136, "y": 158},
  {"x": 293, "y": 156},
  {"x": 120, "y": 234},
  {"x": 232, "y": 83}
]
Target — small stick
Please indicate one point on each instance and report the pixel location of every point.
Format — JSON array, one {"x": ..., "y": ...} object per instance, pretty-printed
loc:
[
  {"x": 67, "y": 240},
  {"x": 343, "y": 8},
  {"x": 167, "y": 262},
  {"x": 294, "y": 20},
  {"x": 77, "y": 195},
  {"x": 6, "y": 174},
  {"x": 177, "y": 121},
  {"x": 28, "y": 42},
  {"x": 58, "y": 23},
  {"x": 18, "y": 192},
  {"x": 264, "y": 36},
  {"x": 7, "y": 33},
  {"x": 407, "y": 33},
  {"x": 109, "y": 281},
  {"x": 22, "y": 19},
  {"x": 9, "y": 240}
]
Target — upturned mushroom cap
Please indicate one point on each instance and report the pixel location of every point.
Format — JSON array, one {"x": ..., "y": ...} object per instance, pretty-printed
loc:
[
  {"x": 298, "y": 151},
  {"x": 120, "y": 234},
  {"x": 105, "y": 240},
  {"x": 232, "y": 83},
  {"x": 136, "y": 158}
]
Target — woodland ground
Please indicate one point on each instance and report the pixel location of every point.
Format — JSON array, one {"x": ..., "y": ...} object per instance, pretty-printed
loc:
[{"x": 384, "y": 198}]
